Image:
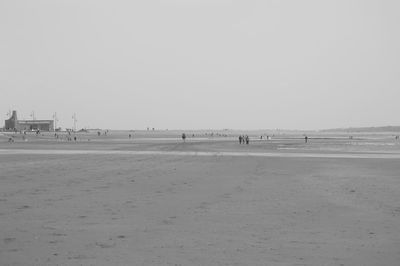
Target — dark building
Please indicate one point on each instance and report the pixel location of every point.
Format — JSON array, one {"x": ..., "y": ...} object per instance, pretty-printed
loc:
[{"x": 14, "y": 124}]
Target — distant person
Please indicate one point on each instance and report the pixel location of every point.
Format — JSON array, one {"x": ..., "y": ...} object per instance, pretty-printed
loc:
[
  {"x": 183, "y": 137},
  {"x": 240, "y": 139},
  {"x": 75, "y": 138},
  {"x": 130, "y": 136},
  {"x": 306, "y": 139},
  {"x": 98, "y": 133},
  {"x": 247, "y": 140}
]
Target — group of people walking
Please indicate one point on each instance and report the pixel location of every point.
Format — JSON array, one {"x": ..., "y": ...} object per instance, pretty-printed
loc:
[{"x": 244, "y": 139}]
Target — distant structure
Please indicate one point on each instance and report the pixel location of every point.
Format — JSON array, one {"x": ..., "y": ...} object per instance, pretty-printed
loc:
[{"x": 14, "y": 124}]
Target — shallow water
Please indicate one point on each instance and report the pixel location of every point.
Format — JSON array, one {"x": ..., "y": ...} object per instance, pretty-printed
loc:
[{"x": 204, "y": 153}]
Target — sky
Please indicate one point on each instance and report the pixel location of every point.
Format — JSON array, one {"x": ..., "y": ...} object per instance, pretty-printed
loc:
[{"x": 202, "y": 64}]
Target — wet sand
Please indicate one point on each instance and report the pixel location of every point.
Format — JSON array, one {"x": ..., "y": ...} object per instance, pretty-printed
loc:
[{"x": 204, "y": 202}]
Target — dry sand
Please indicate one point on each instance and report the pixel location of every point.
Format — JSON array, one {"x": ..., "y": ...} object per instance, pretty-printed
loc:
[{"x": 205, "y": 202}]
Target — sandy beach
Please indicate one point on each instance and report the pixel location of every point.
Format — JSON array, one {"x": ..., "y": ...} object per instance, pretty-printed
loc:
[{"x": 155, "y": 200}]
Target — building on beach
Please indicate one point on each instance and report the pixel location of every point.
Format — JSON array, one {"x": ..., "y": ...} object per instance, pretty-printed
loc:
[{"x": 27, "y": 125}]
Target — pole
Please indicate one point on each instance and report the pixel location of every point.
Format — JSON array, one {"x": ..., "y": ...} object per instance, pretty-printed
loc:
[
  {"x": 55, "y": 120},
  {"x": 74, "y": 119}
]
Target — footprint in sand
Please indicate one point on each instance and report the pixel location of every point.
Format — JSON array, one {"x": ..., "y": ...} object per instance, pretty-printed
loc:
[
  {"x": 203, "y": 207},
  {"x": 105, "y": 245},
  {"x": 239, "y": 189},
  {"x": 58, "y": 234},
  {"x": 169, "y": 221},
  {"x": 226, "y": 196},
  {"x": 24, "y": 207},
  {"x": 9, "y": 240}
]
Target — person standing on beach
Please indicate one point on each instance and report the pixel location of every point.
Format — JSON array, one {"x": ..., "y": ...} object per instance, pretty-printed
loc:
[
  {"x": 240, "y": 139},
  {"x": 247, "y": 140},
  {"x": 183, "y": 137},
  {"x": 306, "y": 139}
]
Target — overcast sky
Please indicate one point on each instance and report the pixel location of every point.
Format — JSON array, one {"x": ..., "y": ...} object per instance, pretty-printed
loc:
[{"x": 202, "y": 64}]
